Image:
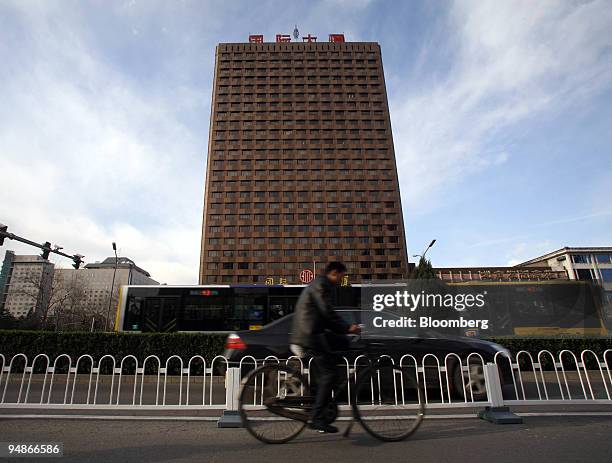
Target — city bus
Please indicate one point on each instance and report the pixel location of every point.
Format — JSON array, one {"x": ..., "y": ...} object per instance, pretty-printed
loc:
[
  {"x": 543, "y": 308},
  {"x": 216, "y": 308}
]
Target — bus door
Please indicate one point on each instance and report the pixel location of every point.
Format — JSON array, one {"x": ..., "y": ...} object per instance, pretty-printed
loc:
[{"x": 160, "y": 314}]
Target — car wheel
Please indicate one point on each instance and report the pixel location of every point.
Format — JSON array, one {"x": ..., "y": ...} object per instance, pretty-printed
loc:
[{"x": 473, "y": 383}]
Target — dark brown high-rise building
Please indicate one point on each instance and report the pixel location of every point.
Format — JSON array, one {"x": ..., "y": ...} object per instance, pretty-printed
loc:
[{"x": 301, "y": 166}]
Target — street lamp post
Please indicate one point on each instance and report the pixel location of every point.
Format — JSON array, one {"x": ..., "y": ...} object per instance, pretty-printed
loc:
[
  {"x": 422, "y": 260},
  {"x": 422, "y": 256},
  {"x": 110, "y": 297}
]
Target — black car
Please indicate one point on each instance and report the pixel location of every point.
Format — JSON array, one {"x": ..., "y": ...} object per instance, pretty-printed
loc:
[{"x": 273, "y": 340}]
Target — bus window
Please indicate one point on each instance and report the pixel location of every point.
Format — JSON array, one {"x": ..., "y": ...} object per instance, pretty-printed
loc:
[
  {"x": 133, "y": 314},
  {"x": 531, "y": 306},
  {"x": 160, "y": 314},
  {"x": 206, "y": 313},
  {"x": 281, "y": 302},
  {"x": 249, "y": 309},
  {"x": 280, "y": 306}
]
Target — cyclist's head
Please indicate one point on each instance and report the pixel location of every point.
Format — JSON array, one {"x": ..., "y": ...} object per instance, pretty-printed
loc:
[{"x": 334, "y": 271}]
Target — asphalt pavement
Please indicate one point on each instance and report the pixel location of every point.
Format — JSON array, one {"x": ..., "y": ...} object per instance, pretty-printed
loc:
[{"x": 538, "y": 439}]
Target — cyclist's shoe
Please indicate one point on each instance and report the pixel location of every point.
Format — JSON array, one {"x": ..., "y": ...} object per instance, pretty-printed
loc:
[{"x": 320, "y": 425}]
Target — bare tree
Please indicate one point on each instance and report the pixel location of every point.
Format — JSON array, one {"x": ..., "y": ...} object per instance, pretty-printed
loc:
[
  {"x": 95, "y": 309},
  {"x": 45, "y": 296},
  {"x": 82, "y": 309},
  {"x": 65, "y": 303},
  {"x": 70, "y": 314}
]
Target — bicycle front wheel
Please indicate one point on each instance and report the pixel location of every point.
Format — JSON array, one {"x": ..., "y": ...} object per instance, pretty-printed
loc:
[
  {"x": 388, "y": 402},
  {"x": 274, "y": 403}
]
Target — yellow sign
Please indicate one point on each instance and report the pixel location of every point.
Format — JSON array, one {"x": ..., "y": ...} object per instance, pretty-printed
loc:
[
  {"x": 345, "y": 280},
  {"x": 269, "y": 281},
  {"x": 282, "y": 281}
]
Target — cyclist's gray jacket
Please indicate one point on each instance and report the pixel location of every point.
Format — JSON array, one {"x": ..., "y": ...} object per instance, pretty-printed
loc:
[{"x": 314, "y": 314}]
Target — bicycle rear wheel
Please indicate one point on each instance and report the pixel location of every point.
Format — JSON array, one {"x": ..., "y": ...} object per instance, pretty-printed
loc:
[
  {"x": 388, "y": 402},
  {"x": 274, "y": 403}
]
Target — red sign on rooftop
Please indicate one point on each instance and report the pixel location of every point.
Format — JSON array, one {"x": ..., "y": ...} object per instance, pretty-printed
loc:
[{"x": 283, "y": 38}]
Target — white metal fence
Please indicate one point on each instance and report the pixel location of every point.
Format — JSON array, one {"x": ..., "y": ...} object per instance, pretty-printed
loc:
[
  {"x": 564, "y": 378},
  {"x": 436, "y": 372},
  {"x": 176, "y": 383},
  {"x": 112, "y": 383}
]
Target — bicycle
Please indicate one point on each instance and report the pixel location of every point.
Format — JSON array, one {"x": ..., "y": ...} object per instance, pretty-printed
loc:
[{"x": 275, "y": 401}]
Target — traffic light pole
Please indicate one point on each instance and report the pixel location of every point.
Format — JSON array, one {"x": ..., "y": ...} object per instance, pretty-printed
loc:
[{"x": 46, "y": 246}]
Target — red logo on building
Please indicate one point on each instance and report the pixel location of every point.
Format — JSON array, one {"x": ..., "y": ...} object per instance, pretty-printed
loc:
[
  {"x": 306, "y": 276},
  {"x": 283, "y": 38}
]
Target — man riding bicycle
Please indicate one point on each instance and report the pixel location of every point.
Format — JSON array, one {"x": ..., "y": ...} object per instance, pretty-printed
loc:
[{"x": 317, "y": 329}]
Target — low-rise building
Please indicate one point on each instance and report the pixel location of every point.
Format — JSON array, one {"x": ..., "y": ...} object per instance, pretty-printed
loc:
[
  {"x": 584, "y": 263},
  {"x": 581, "y": 263},
  {"x": 30, "y": 283},
  {"x": 461, "y": 274},
  {"x": 91, "y": 285},
  {"x": 25, "y": 284}
]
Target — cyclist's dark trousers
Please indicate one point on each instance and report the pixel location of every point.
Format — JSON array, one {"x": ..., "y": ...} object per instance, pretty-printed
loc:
[{"x": 326, "y": 371}]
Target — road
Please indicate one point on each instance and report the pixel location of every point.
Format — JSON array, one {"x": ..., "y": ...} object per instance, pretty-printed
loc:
[{"x": 539, "y": 439}]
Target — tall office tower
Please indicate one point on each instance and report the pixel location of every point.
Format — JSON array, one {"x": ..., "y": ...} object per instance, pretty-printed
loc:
[{"x": 301, "y": 166}]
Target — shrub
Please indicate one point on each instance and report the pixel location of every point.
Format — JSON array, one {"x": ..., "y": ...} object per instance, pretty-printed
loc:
[
  {"x": 119, "y": 345},
  {"x": 555, "y": 345},
  {"x": 208, "y": 345}
]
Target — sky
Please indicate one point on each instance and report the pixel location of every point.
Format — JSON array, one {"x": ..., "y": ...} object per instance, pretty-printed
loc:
[{"x": 501, "y": 114}]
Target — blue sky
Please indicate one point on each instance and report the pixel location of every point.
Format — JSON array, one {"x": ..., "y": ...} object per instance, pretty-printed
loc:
[{"x": 501, "y": 114}]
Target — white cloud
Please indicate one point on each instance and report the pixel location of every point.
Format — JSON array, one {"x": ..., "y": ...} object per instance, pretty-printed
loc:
[
  {"x": 512, "y": 62},
  {"x": 88, "y": 157},
  {"x": 523, "y": 251},
  {"x": 91, "y": 154}
]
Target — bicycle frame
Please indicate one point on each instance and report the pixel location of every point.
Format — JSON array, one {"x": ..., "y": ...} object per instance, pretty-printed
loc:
[
  {"x": 346, "y": 385},
  {"x": 296, "y": 405}
]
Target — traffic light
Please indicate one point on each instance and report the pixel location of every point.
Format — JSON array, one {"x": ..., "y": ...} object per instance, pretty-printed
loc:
[
  {"x": 77, "y": 261},
  {"x": 46, "y": 247},
  {"x": 3, "y": 229}
]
